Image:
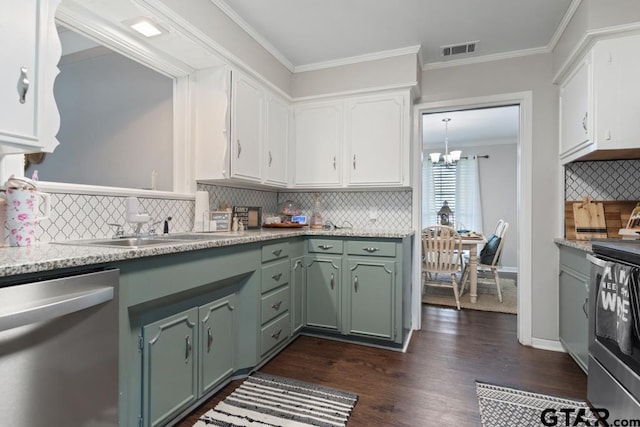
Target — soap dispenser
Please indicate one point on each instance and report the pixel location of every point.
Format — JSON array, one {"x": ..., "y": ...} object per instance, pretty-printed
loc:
[{"x": 316, "y": 216}]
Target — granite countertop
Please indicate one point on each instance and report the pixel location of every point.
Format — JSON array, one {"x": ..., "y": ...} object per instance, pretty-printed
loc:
[
  {"x": 583, "y": 245},
  {"x": 50, "y": 256}
]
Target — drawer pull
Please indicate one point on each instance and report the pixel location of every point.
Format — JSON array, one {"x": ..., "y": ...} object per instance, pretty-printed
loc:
[
  {"x": 325, "y": 247},
  {"x": 277, "y": 276},
  {"x": 209, "y": 340},
  {"x": 277, "y": 305},
  {"x": 276, "y": 335},
  {"x": 277, "y": 252},
  {"x": 370, "y": 249}
]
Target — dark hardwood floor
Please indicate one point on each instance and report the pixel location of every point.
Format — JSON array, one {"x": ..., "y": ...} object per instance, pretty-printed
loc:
[{"x": 433, "y": 383}]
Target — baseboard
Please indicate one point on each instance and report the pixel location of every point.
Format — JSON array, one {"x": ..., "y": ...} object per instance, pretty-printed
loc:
[
  {"x": 551, "y": 345},
  {"x": 508, "y": 269}
]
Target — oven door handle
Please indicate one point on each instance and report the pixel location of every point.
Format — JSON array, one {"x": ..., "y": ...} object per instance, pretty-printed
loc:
[{"x": 596, "y": 261}]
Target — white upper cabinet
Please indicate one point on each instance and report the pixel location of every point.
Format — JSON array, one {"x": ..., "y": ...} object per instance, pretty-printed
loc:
[
  {"x": 30, "y": 53},
  {"x": 361, "y": 141},
  {"x": 275, "y": 155},
  {"x": 576, "y": 117},
  {"x": 247, "y": 103},
  {"x": 318, "y": 144},
  {"x": 599, "y": 106},
  {"x": 377, "y": 140}
]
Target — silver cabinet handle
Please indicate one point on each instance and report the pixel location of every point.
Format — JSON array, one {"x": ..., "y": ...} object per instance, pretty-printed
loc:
[
  {"x": 596, "y": 261},
  {"x": 584, "y": 121},
  {"x": 23, "y": 85},
  {"x": 239, "y": 148},
  {"x": 277, "y": 252},
  {"x": 325, "y": 247},
  {"x": 333, "y": 281},
  {"x": 334, "y": 162},
  {"x": 276, "y": 335},
  {"x": 187, "y": 349},
  {"x": 277, "y": 276},
  {"x": 584, "y": 307},
  {"x": 354, "y": 162},
  {"x": 209, "y": 340},
  {"x": 371, "y": 250},
  {"x": 277, "y": 305},
  {"x": 270, "y": 158},
  {"x": 355, "y": 284}
]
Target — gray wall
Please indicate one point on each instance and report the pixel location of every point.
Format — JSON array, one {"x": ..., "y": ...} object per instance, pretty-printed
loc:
[
  {"x": 529, "y": 73},
  {"x": 116, "y": 124}
]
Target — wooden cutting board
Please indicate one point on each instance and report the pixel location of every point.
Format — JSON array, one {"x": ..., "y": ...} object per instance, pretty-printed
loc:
[{"x": 589, "y": 219}]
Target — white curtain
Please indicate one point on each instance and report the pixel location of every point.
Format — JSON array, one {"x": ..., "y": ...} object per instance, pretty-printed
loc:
[
  {"x": 428, "y": 195},
  {"x": 468, "y": 198}
]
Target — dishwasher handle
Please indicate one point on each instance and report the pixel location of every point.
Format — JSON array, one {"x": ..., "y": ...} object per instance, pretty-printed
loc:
[{"x": 25, "y": 304}]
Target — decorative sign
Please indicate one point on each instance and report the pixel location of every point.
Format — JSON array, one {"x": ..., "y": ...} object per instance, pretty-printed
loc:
[
  {"x": 219, "y": 221},
  {"x": 251, "y": 217}
]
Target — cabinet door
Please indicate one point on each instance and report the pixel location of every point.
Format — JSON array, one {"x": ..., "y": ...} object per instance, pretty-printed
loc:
[
  {"x": 297, "y": 293},
  {"x": 318, "y": 136},
  {"x": 169, "y": 366},
  {"x": 372, "y": 290},
  {"x": 218, "y": 329},
  {"x": 246, "y": 128},
  {"x": 377, "y": 137},
  {"x": 616, "y": 66},
  {"x": 277, "y": 142},
  {"x": 575, "y": 113},
  {"x": 574, "y": 294},
  {"x": 29, "y": 116},
  {"x": 322, "y": 291}
]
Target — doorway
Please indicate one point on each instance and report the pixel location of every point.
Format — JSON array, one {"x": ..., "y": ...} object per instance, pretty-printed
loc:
[
  {"x": 479, "y": 186},
  {"x": 523, "y": 101}
]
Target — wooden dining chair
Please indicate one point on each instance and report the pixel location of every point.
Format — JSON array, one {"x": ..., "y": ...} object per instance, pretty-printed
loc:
[
  {"x": 490, "y": 261},
  {"x": 441, "y": 249}
]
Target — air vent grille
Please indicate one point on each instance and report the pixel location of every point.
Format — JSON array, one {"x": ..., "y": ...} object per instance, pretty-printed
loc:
[{"x": 457, "y": 49}]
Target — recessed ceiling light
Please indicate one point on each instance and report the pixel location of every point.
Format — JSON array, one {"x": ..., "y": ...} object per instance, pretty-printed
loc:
[{"x": 146, "y": 27}]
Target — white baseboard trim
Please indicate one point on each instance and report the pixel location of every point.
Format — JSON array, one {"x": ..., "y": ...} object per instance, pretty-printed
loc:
[{"x": 543, "y": 344}]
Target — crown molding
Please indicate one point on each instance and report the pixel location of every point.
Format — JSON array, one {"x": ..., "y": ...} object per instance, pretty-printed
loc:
[
  {"x": 409, "y": 50},
  {"x": 486, "y": 58},
  {"x": 563, "y": 24},
  {"x": 227, "y": 10}
]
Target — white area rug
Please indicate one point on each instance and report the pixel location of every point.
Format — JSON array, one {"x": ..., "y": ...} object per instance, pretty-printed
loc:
[{"x": 266, "y": 400}]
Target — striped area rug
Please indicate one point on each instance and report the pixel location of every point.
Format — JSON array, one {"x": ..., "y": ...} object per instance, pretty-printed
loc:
[
  {"x": 504, "y": 406},
  {"x": 267, "y": 400}
]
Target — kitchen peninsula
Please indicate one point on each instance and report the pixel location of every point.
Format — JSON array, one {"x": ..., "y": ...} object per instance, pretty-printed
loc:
[{"x": 209, "y": 310}]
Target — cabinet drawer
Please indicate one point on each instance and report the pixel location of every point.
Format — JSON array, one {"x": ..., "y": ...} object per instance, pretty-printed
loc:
[
  {"x": 325, "y": 246},
  {"x": 365, "y": 247},
  {"x": 275, "y": 275},
  {"x": 275, "y": 251},
  {"x": 275, "y": 304},
  {"x": 275, "y": 333}
]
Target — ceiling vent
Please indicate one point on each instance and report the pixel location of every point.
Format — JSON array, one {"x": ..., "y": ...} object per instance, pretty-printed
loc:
[{"x": 457, "y": 49}]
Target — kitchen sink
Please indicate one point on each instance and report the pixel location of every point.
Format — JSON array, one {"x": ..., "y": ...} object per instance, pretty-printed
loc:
[{"x": 142, "y": 242}]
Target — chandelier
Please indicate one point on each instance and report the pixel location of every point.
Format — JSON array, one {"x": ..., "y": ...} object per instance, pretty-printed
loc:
[{"x": 447, "y": 158}]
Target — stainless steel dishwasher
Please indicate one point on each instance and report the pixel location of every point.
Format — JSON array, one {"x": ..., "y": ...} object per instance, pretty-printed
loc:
[{"x": 59, "y": 351}]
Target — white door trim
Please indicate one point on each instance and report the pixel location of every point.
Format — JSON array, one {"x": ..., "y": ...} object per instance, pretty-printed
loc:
[{"x": 525, "y": 160}]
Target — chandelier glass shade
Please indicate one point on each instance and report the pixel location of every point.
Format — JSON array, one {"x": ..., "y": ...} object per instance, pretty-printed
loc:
[{"x": 448, "y": 158}]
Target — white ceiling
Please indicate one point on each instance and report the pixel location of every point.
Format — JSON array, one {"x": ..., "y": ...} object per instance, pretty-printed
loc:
[{"x": 316, "y": 33}]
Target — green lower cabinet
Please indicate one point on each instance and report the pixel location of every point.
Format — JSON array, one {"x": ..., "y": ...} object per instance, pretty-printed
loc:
[
  {"x": 297, "y": 294},
  {"x": 323, "y": 274},
  {"x": 372, "y": 297},
  {"x": 186, "y": 355},
  {"x": 218, "y": 331},
  {"x": 169, "y": 366}
]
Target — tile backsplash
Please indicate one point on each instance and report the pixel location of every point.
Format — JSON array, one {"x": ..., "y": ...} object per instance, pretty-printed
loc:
[
  {"x": 84, "y": 216},
  {"x": 603, "y": 180}
]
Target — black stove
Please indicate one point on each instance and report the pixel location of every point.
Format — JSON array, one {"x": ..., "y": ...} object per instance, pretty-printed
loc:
[{"x": 618, "y": 249}]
